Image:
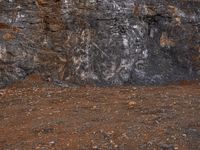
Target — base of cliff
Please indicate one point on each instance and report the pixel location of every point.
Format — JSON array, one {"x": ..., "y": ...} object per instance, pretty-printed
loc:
[{"x": 36, "y": 114}]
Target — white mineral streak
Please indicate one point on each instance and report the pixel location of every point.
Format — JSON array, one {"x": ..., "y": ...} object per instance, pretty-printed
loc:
[
  {"x": 2, "y": 52},
  {"x": 19, "y": 16},
  {"x": 111, "y": 66},
  {"x": 145, "y": 54}
]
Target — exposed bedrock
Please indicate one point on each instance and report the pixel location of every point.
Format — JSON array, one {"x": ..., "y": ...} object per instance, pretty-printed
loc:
[{"x": 100, "y": 41}]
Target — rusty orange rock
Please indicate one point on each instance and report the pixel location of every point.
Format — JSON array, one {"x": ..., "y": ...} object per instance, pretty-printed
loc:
[
  {"x": 9, "y": 36},
  {"x": 4, "y": 26},
  {"x": 131, "y": 104},
  {"x": 165, "y": 41},
  {"x": 176, "y": 13},
  {"x": 41, "y": 2}
]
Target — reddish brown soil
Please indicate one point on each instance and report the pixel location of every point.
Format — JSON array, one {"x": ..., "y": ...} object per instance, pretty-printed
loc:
[{"x": 38, "y": 115}]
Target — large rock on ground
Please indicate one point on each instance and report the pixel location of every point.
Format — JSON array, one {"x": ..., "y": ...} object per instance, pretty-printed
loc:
[{"x": 102, "y": 42}]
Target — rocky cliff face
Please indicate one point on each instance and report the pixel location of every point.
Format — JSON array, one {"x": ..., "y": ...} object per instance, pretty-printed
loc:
[{"x": 100, "y": 41}]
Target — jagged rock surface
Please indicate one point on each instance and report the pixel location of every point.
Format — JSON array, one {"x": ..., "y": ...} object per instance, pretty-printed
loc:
[{"x": 102, "y": 42}]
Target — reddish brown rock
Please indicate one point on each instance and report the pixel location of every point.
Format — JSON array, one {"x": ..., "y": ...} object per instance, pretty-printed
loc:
[
  {"x": 165, "y": 41},
  {"x": 9, "y": 36}
]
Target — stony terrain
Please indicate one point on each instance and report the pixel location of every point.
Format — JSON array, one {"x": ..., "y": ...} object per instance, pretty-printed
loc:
[
  {"x": 39, "y": 115},
  {"x": 99, "y": 74}
]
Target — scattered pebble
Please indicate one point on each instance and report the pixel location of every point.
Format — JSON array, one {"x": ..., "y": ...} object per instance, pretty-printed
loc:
[
  {"x": 95, "y": 147},
  {"x": 132, "y": 104},
  {"x": 94, "y": 107},
  {"x": 52, "y": 143},
  {"x": 184, "y": 135},
  {"x": 175, "y": 147}
]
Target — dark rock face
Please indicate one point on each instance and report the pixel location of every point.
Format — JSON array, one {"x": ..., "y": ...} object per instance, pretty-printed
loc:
[{"x": 102, "y": 42}]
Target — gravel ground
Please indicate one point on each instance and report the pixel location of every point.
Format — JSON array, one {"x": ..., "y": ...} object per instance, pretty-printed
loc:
[{"x": 39, "y": 115}]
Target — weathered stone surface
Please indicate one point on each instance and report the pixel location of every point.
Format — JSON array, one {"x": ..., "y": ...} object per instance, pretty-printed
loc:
[{"x": 103, "y": 42}]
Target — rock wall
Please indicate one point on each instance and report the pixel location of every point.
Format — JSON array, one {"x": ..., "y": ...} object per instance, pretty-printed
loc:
[{"x": 100, "y": 41}]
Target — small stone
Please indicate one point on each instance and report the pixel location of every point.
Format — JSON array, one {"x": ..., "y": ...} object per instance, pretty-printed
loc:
[
  {"x": 134, "y": 88},
  {"x": 94, "y": 107},
  {"x": 131, "y": 104},
  {"x": 111, "y": 141},
  {"x": 175, "y": 147},
  {"x": 1, "y": 94},
  {"x": 184, "y": 135},
  {"x": 52, "y": 143},
  {"x": 95, "y": 147}
]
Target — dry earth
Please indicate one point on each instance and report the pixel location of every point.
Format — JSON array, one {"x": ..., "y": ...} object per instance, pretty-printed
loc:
[{"x": 39, "y": 115}]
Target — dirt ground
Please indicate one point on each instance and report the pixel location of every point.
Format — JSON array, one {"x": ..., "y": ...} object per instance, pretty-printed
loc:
[{"x": 39, "y": 115}]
